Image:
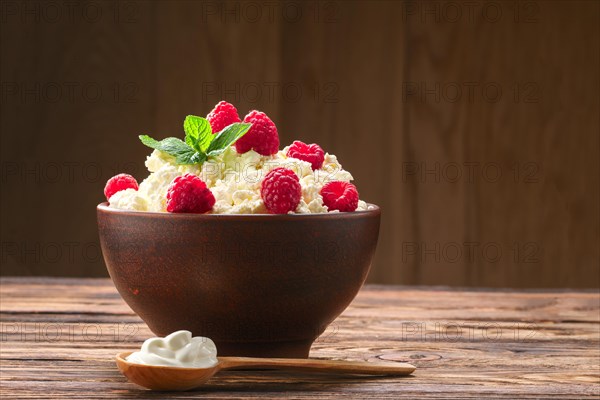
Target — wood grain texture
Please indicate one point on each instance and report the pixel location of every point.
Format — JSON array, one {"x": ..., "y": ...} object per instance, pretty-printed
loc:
[
  {"x": 501, "y": 139},
  {"x": 226, "y": 50},
  {"x": 59, "y": 337},
  {"x": 374, "y": 82},
  {"x": 550, "y": 194},
  {"x": 77, "y": 89},
  {"x": 350, "y": 106}
]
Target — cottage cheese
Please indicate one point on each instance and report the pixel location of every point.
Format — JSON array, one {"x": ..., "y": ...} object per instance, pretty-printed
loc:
[{"x": 234, "y": 180}]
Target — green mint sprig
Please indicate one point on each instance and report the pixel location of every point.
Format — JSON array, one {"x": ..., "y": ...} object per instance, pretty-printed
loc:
[{"x": 200, "y": 143}]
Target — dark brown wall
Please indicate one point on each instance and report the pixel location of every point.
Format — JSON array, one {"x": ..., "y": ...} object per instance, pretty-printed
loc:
[{"x": 474, "y": 125}]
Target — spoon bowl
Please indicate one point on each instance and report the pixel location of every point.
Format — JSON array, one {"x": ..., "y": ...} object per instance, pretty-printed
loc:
[{"x": 158, "y": 377}]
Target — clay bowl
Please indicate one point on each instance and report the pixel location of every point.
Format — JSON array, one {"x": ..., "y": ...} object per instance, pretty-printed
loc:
[{"x": 258, "y": 285}]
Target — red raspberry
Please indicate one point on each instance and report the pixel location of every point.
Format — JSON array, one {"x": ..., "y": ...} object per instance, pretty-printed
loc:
[
  {"x": 223, "y": 115},
  {"x": 281, "y": 191},
  {"x": 262, "y": 136},
  {"x": 189, "y": 194},
  {"x": 118, "y": 183},
  {"x": 312, "y": 153},
  {"x": 341, "y": 196}
]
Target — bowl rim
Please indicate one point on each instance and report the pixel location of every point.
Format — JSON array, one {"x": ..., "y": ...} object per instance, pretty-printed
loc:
[{"x": 372, "y": 211}]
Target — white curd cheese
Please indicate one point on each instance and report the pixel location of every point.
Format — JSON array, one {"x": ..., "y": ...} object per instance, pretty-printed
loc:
[
  {"x": 129, "y": 199},
  {"x": 235, "y": 181}
]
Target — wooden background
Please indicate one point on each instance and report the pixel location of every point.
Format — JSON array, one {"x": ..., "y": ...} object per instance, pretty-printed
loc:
[{"x": 475, "y": 125}]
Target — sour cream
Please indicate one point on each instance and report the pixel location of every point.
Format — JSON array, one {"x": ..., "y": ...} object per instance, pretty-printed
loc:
[{"x": 179, "y": 349}]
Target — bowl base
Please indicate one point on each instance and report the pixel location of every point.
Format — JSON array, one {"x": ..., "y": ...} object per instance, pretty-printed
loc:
[{"x": 295, "y": 349}]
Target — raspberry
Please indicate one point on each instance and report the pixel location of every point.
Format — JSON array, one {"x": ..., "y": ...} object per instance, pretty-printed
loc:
[
  {"x": 312, "y": 153},
  {"x": 281, "y": 191},
  {"x": 118, "y": 183},
  {"x": 262, "y": 136},
  {"x": 189, "y": 194},
  {"x": 341, "y": 196},
  {"x": 223, "y": 115}
]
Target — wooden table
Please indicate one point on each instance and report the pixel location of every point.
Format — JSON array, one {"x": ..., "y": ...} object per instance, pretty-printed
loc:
[{"x": 59, "y": 336}]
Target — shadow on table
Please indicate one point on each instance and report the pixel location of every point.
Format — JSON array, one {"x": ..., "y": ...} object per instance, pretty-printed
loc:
[{"x": 276, "y": 382}]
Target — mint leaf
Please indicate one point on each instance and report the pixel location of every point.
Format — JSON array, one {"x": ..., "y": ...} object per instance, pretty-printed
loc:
[
  {"x": 196, "y": 158},
  {"x": 183, "y": 153},
  {"x": 169, "y": 145},
  {"x": 199, "y": 140},
  {"x": 198, "y": 133},
  {"x": 227, "y": 137}
]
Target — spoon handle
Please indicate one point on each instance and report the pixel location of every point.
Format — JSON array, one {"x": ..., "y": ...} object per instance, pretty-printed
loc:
[{"x": 316, "y": 365}]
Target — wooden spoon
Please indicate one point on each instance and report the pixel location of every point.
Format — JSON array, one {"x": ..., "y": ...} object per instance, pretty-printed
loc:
[{"x": 176, "y": 378}]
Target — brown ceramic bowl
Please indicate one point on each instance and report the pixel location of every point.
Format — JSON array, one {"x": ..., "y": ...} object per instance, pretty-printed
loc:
[{"x": 258, "y": 285}]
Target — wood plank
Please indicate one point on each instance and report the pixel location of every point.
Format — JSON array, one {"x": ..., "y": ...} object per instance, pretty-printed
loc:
[
  {"x": 549, "y": 210},
  {"x": 350, "y": 73},
  {"x": 520, "y": 225},
  {"x": 213, "y": 51},
  {"x": 467, "y": 343},
  {"x": 77, "y": 88}
]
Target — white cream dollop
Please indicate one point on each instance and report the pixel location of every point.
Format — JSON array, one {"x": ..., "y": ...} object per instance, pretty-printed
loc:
[{"x": 179, "y": 349}]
